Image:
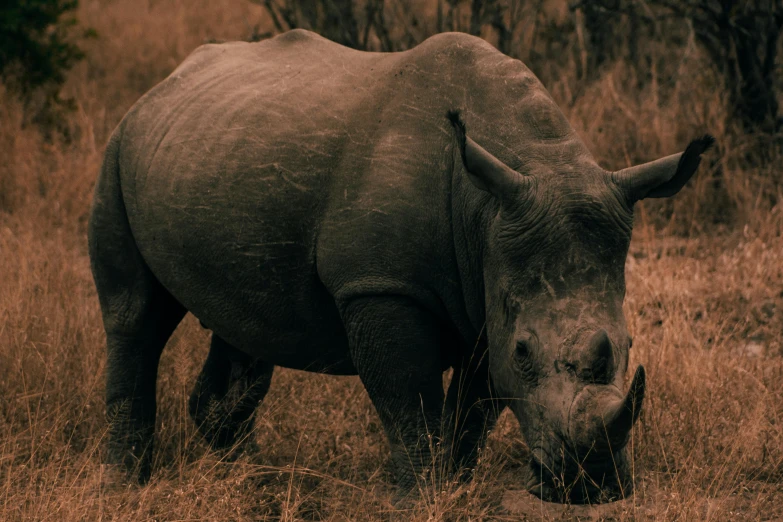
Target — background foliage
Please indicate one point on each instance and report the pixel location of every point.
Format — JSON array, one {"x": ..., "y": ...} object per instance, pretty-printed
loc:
[{"x": 37, "y": 48}]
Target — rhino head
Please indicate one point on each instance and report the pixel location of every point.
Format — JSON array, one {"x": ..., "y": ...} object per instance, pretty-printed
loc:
[{"x": 554, "y": 284}]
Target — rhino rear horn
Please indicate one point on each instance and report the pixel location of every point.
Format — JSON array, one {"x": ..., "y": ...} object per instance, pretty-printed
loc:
[
  {"x": 485, "y": 171},
  {"x": 664, "y": 177},
  {"x": 597, "y": 361}
]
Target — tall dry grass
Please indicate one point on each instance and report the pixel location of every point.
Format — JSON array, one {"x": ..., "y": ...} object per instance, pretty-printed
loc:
[{"x": 704, "y": 304}]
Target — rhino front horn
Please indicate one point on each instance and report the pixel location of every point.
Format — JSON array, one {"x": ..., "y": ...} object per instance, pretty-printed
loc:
[{"x": 620, "y": 417}]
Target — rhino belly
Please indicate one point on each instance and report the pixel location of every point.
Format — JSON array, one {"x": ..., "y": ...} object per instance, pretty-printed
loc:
[
  {"x": 244, "y": 264},
  {"x": 265, "y": 302}
]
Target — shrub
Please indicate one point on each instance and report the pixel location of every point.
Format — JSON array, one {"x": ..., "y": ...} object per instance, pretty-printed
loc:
[{"x": 37, "y": 48}]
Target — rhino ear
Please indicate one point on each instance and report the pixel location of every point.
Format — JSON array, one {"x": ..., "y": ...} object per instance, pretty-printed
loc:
[
  {"x": 485, "y": 171},
  {"x": 664, "y": 177}
]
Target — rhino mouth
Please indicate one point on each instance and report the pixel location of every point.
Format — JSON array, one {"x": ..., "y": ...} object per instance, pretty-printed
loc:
[
  {"x": 597, "y": 482},
  {"x": 590, "y": 465}
]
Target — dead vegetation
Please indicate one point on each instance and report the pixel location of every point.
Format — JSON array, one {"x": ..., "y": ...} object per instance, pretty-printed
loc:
[{"x": 704, "y": 304}]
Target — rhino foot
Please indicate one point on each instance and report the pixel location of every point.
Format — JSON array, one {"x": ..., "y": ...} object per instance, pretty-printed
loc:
[{"x": 129, "y": 454}]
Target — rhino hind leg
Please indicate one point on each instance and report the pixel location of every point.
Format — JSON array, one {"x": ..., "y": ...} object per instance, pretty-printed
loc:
[
  {"x": 139, "y": 316},
  {"x": 131, "y": 374},
  {"x": 226, "y": 394}
]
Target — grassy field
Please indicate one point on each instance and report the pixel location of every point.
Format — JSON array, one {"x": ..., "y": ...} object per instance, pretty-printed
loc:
[{"x": 704, "y": 305}]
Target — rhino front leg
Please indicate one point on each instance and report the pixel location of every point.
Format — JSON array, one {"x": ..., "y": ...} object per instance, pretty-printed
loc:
[
  {"x": 227, "y": 393},
  {"x": 394, "y": 345},
  {"x": 473, "y": 408}
]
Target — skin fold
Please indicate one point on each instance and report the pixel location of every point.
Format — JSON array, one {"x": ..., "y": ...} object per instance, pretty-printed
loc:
[{"x": 390, "y": 215}]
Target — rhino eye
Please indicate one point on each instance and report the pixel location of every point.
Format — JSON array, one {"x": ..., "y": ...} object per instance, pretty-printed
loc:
[
  {"x": 524, "y": 360},
  {"x": 522, "y": 351},
  {"x": 630, "y": 342}
]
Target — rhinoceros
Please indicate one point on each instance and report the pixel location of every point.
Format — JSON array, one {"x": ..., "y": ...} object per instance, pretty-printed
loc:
[{"x": 391, "y": 215}]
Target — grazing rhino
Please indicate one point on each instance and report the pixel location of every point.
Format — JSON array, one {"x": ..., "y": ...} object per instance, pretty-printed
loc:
[{"x": 390, "y": 215}]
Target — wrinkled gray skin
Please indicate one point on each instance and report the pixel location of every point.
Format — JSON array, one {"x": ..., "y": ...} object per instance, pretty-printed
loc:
[{"x": 320, "y": 208}]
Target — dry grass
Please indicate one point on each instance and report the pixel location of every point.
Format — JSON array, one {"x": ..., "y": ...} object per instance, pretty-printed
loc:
[{"x": 706, "y": 313}]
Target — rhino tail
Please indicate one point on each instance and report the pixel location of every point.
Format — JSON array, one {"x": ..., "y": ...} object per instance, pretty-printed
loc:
[{"x": 108, "y": 215}]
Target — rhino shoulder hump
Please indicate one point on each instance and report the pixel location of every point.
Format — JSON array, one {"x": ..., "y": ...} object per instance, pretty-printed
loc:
[
  {"x": 458, "y": 48},
  {"x": 297, "y": 35},
  {"x": 457, "y": 40},
  {"x": 205, "y": 55},
  {"x": 462, "y": 52}
]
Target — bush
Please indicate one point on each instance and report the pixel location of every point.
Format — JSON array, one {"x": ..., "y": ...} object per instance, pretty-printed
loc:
[
  {"x": 37, "y": 48},
  {"x": 740, "y": 39}
]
